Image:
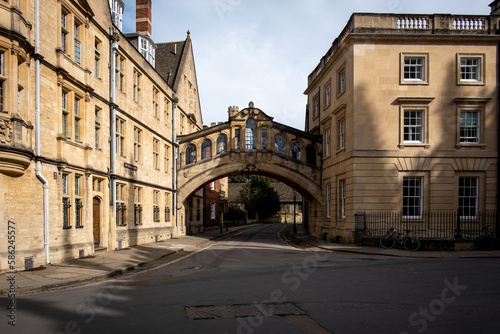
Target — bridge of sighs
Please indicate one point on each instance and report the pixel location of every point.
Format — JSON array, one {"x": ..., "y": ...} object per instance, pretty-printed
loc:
[{"x": 250, "y": 142}]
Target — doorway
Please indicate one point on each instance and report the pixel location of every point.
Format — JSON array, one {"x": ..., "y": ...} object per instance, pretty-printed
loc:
[{"x": 97, "y": 221}]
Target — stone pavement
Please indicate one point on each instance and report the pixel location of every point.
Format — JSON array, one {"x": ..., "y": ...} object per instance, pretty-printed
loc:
[
  {"x": 105, "y": 264},
  {"x": 304, "y": 240}
]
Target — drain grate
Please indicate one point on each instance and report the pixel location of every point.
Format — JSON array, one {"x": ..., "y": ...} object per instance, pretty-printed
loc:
[{"x": 242, "y": 310}]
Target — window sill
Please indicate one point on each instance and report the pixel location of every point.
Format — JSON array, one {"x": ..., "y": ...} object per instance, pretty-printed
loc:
[
  {"x": 67, "y": 227},
  {"x": 471, "y": 145},
  {"x": 415, "y": 82},
  {"x": 422, "y": 145},
  {"x": 79, "y": 226},
  {"x": 340, "y": 151},
  {"x": 471, "y": 83}
]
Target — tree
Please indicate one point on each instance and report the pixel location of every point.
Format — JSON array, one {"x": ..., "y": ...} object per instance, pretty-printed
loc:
[{"x": 259, "y": 197}]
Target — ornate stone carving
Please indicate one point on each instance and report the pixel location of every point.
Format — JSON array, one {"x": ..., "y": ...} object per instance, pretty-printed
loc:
[
  {"x": 250, "y": 168},
  {"x": 5, "y": 132}
]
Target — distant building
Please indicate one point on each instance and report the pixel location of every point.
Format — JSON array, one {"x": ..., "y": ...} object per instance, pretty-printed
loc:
[{"x": 408, "y": 109}]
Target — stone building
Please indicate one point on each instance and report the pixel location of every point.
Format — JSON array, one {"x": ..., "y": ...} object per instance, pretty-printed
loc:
[
  {"x": 88, "y": 130},
  {"x": 408, "y": 109}
]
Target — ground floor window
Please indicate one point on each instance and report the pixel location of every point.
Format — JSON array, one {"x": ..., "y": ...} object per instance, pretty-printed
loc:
[
  {"x": 412, "y": 197},
  {"x": 468, "y": 197}
]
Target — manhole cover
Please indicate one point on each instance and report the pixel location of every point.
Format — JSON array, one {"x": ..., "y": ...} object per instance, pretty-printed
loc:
[{"x": 242, "y": 310}]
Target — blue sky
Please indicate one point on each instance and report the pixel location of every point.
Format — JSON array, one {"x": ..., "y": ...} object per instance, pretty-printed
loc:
[{"x": 263, "y": 50}]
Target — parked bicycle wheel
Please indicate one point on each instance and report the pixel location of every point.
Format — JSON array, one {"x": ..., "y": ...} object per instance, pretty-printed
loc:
[
  {"x": 411, "y": 244},
  {"x": 483, "y": 242},
  {"x": 387, "y": 241}
]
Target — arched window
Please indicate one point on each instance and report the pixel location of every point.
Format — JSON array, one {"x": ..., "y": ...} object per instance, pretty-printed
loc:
[
  {"x": 190, "y": 154},
  {"x": 311, "y": 155},
  {"x": 250, "y": 130},
  {"x": 206, "y": 149},
  {"x": 279, "y": 145},
  {"x": 295, "y": 150},
  {"x": 221, "y": 144}
]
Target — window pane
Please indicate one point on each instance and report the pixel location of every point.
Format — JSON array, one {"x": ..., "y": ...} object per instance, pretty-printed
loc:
[
  {"x": 279, "y": 145},
  {"x": 412, "y": 197},
  {"x": 250, "y": 129},
  {"x": 470, "y": 69},
  {"x": 413, "y": 126},
  {"x": 469, "y": 127},
  {"x": 468, "y": 197},
  {"x": 414, "y": 69}
]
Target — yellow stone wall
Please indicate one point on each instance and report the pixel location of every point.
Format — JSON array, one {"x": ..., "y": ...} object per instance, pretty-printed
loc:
[
  {"x": 62, "y": 154},
  {"x": 375, "y": 159}
]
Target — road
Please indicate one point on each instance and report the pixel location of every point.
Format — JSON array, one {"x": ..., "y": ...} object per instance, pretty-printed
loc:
[{"x": 255, "y": 283}]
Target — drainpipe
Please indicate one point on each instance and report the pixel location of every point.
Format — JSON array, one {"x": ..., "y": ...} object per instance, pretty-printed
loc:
[
  {"x": 497, "y": 219},
  {"x": 175, "y": 153},
  {"x": 114, "y": 49},
  {"x": 38, "y": 164}
]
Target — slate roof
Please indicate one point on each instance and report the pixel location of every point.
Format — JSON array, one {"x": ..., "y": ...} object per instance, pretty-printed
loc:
[{"x": 168, "y": 59}]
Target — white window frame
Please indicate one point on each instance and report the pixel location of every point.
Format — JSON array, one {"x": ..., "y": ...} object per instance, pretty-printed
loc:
[
  {"x": 423, "y": 78},
  {"x": 468, "y": 196},
  {"x": 328, "y": 200},
  {"x": 327, "y": 142},
  {"x": 417, "y": 196},
  {"x": 411, "y": 126},
  {"x": 342, "y": 196},
  {"x": 342, "y": 134},
  {"x": 480, "y": 78},
  {"x": 468, "y": 127}
]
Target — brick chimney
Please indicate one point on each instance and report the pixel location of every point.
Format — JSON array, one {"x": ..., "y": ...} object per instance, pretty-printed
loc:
[{"x": 143, "y": 17}]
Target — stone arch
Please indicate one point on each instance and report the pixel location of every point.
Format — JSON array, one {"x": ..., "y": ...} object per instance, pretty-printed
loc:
[{"x": 304, "y": 178}]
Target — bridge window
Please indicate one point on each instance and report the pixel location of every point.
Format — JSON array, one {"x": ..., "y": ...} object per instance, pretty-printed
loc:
[
  {"x": 206, "y": 149},
  {"x": 264, "y": 139},
  {"x": 236, "y": 139},
  {"x": 221, "y": 144},
  {"x": 279, "y": 145},
  {"x": 295, "y": 150},
  {"x": 311, "y": 155},
  {"x": 250, "y": 142},
  {"x": 190, "y": 155}
]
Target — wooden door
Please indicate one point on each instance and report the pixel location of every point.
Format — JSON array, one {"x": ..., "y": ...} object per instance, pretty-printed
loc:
[{"x": 97, "y": 221}]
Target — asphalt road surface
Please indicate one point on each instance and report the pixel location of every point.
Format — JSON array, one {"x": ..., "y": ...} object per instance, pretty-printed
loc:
[{"x": 255, "y": 283}]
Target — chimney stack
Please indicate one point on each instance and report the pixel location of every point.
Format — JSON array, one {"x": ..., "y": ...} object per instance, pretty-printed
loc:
[{"x": 143, "y": 17}]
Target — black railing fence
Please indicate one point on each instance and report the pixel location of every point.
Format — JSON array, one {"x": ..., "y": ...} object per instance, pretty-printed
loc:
[{"x": 430, "y": 225}]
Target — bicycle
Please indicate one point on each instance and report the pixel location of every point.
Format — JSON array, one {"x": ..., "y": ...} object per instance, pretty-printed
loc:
[
  {"x": 410, "y": 243},
  {"x": 485, "y": 241}
]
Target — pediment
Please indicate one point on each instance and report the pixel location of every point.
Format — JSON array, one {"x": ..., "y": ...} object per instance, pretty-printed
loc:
[{"x": 251, "y": 112}]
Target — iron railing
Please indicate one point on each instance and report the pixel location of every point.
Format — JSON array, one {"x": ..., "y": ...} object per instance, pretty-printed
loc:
[{"x": 430, "y": 225}]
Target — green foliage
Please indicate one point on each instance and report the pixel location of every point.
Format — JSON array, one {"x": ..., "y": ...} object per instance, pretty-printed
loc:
[
  {"x": 235, "y": 213},
  {"x": 259, "y": 197},
  {"x": 238, "y": 178}
]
